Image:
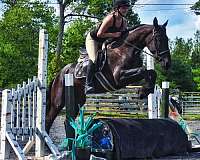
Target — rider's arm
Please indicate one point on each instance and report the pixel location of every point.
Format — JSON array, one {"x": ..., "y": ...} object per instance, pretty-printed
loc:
[{"x": 107, "y": 22}]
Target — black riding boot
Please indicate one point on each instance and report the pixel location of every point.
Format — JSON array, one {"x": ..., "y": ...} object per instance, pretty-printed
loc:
[{"x": 89, "y": 88}]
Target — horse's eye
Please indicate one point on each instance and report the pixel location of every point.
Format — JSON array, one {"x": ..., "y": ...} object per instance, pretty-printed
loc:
[{"x": 158, "y": 37}]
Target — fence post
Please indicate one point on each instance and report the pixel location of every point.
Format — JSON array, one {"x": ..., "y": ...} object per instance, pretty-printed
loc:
[
  {"x": 5, "y": 146},
  {"x": 152, "y": 106},
  {"x": 69, "y": 105},
  {"x": 41, "y": 91},
  {"x": 157, "y": 99},
  {"x": 165, "y": 100},
  {"x": 69, "y": 92}
]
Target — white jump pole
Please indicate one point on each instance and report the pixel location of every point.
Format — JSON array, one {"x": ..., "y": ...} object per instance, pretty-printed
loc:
[
  {"x": 41, "y": 91},
  {"x": 152, "y": 106}
]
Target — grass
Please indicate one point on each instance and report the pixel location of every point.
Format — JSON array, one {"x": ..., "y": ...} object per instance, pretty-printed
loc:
[
  {"x": 192, "y": 117},
  {"x": 120, "y": 115},
  {"x": 114, "y": 115},
  {"x": 104, "y": 114}
]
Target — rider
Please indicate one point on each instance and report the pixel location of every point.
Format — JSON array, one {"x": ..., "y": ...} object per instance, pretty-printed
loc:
[{"x": 111, "y": 27}]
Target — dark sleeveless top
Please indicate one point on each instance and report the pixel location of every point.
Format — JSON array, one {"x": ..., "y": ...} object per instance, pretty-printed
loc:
[{"x": 111, "y": 29}]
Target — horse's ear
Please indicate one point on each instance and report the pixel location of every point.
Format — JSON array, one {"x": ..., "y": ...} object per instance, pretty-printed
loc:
[
  {"x": 155, "y": 22},
  {"x": 165, "y": 24}
]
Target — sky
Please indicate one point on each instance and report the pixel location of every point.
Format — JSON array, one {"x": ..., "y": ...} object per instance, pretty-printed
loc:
[{"x": 182, "y": 21}]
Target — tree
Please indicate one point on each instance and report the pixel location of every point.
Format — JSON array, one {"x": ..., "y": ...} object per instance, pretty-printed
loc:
[
  {"x": 89, "y": 11},
  {"x": 196, "y": 77},
  {"x": 196, "y": 8},
  {"x": 73, "y": 7},
  {"x": 196, "y": 54},
  {"x": 73, "y": 41},
  {"x": 182, "y": 49},
  {"x": 180, "y": 74},
  {"x": 85, "y": 9},
  {"x": 196, "y": 60},
  {"x": 19, "y": 30}
]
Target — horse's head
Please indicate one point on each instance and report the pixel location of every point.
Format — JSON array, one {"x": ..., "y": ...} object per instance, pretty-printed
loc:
[{"x": 157, "y": 43}]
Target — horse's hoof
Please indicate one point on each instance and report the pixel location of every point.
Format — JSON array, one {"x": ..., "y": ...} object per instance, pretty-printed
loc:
[
  {"x": 141, "y": 93},
  {"x": 142, "y": 96},
  {"x": 144, "y": 92}
]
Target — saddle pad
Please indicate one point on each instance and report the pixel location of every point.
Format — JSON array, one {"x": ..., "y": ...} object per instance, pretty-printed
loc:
[{"x": 81, "y": 66}]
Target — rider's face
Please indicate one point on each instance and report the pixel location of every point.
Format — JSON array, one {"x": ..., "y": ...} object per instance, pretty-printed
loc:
[{"x": 123, "y": 10}]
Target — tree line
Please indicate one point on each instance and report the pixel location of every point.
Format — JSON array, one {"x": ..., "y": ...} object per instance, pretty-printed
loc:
[{"x": 21, "y": 21}]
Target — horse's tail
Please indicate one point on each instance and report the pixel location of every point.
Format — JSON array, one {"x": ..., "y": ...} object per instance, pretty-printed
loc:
[
  {"x": 51, "y": 112},
  {"x": 48, "y": 97}
]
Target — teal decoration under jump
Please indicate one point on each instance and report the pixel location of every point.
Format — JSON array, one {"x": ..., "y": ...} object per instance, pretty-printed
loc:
[{"x": 83, "y": 133}]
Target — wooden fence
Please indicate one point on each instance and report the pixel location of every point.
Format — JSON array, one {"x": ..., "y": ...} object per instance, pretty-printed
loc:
[
  {"x": 23, "y": 113},
  {"x": 123, "y": 101},
  {"x": 190, "y": 102},
  {"x": 126, "y": 101}
]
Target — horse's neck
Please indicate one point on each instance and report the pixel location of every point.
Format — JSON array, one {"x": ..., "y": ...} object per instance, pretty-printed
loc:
[
  {"x": 129, "y": 51},
  {"x": 138, "y": 37}
]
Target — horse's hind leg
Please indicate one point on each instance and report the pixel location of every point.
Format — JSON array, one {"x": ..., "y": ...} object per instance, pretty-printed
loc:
[{"x": 71, "y": 112}]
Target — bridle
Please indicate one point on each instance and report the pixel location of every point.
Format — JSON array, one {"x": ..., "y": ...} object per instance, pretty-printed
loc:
[{"x": 158, "y": 56}]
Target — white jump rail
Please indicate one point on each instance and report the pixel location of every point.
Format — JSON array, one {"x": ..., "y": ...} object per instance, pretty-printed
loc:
[{"x": 23, "y": 113}]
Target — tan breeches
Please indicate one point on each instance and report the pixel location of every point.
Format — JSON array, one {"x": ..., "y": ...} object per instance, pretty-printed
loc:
[{"x": 91, "y": 47}]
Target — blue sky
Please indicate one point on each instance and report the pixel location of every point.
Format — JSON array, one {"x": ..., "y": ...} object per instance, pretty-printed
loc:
[{"x": 182, "y": 21}]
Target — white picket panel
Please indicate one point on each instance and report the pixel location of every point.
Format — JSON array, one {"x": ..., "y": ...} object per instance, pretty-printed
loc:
[{"x": 23, "y": 113}]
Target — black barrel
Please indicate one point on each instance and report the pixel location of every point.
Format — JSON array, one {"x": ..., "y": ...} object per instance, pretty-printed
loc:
[{"x": 145, "y": 138}]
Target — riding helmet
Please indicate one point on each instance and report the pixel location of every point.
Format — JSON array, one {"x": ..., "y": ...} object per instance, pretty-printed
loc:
[{"x": 121, "y": 3}]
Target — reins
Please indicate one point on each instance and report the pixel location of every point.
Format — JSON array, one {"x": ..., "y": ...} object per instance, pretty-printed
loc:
[
  {"x": 155, "y": 57},
  {"x": 158, "y": 56}
]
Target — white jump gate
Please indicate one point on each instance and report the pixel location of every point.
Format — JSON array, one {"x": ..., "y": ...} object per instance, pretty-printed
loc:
[
  {"x": 23, "y": 113},
  {"x": 154, "y": 100}
]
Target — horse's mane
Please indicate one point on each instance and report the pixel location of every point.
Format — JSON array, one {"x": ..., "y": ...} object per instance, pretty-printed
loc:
[{"x": 136, "y": 26}]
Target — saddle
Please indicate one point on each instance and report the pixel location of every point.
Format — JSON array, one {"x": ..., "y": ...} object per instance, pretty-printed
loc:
[{"x": 81, "y": 67}]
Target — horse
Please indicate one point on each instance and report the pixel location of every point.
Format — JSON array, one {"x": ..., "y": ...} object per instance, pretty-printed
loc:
[{"x": 123, "y": 66}]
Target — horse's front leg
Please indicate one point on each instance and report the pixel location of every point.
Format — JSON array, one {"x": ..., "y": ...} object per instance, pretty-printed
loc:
[
  {"x": 131, "y": 75},
  {"x": 137, "y": 74},
  {"x": 150, "y": 79}
]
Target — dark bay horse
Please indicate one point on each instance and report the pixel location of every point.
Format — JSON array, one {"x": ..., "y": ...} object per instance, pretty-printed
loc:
[{"x": 123, "y": 66}]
